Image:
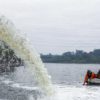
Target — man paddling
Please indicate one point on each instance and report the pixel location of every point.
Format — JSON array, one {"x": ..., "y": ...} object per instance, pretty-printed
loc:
[{"x": 91, "y": 75}]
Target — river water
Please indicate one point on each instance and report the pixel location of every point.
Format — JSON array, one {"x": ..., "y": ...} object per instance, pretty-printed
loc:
[{"x": 67, "y": 82}]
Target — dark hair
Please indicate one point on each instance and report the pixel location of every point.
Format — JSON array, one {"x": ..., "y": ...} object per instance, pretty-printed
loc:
[{"x": 89, "y": 73}]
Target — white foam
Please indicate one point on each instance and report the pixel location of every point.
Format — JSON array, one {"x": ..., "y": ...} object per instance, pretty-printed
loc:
[
  {"x": 7, "y": 82},
  {"x": 74, "y": 93},
  {"x": 21, "y": 46},
  {"x": 63, "y": 92},
  {"x": 17, "y": 85}
]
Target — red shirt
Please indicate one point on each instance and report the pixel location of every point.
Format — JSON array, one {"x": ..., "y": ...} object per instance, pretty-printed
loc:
[{"x": 92, "y": 77}]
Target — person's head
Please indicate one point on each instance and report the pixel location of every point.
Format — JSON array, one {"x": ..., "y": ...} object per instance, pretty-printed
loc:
[{"x": 89, "y": 73}]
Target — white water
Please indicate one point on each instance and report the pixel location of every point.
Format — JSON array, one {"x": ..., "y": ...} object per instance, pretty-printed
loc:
[
  {"x": 23, "y": 49},
  {"x": 63, "y": 92},
  {"x": 77, "y": 93},
  {"x": 73, "y": 93}
]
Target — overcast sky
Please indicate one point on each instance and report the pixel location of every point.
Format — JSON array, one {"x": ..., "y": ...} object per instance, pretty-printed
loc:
[{"x": 56, "y": 26}]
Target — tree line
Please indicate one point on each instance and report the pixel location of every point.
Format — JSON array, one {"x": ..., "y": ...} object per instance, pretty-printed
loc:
[{"x": 79, "y": 56}]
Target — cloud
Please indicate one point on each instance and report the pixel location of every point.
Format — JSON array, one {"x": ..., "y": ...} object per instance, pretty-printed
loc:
[{"x": 56, "y": 24}]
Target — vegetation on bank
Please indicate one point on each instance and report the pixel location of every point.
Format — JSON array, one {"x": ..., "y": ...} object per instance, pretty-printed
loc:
[
  {"x": 9, "y": 60},
  {"x": 73, "y": 57}
]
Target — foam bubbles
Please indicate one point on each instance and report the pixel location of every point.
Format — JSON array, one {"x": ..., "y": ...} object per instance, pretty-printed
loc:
[{"x": 18, "y": 42}]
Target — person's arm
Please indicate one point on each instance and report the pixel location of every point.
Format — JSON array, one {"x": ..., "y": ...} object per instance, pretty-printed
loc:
[{"x": 85, "y": 79}]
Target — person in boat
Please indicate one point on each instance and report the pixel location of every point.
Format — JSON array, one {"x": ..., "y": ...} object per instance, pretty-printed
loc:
[{"x": 91, "y": 75}]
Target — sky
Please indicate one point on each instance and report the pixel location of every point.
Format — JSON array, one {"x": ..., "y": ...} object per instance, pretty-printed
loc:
[{"x": 56, "y": 26}]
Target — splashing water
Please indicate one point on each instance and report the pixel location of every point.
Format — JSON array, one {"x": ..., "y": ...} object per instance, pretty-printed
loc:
[{"x": 16, "y": 40}]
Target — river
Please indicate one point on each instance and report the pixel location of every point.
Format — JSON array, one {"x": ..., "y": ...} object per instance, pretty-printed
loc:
[{"x": 67, "y": 82}]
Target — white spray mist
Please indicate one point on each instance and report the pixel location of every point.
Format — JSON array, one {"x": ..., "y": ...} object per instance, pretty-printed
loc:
[{"x": 23, "y": 49}]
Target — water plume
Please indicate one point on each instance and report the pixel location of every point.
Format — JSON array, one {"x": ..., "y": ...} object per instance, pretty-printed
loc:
[{"x": 23, "y": 49}]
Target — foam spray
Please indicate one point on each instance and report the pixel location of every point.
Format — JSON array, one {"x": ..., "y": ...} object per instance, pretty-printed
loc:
[{"x": 23, "y": 49}]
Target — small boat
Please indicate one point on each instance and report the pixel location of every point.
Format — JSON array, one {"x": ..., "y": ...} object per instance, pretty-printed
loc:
[{"x": 95, "y": 81}]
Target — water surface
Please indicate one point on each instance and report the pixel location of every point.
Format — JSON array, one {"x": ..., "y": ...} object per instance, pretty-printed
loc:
[{"x": 67, "y": 82}]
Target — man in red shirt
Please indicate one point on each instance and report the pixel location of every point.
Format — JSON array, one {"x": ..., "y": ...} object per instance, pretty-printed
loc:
[{"x": 91, "y": 75}]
